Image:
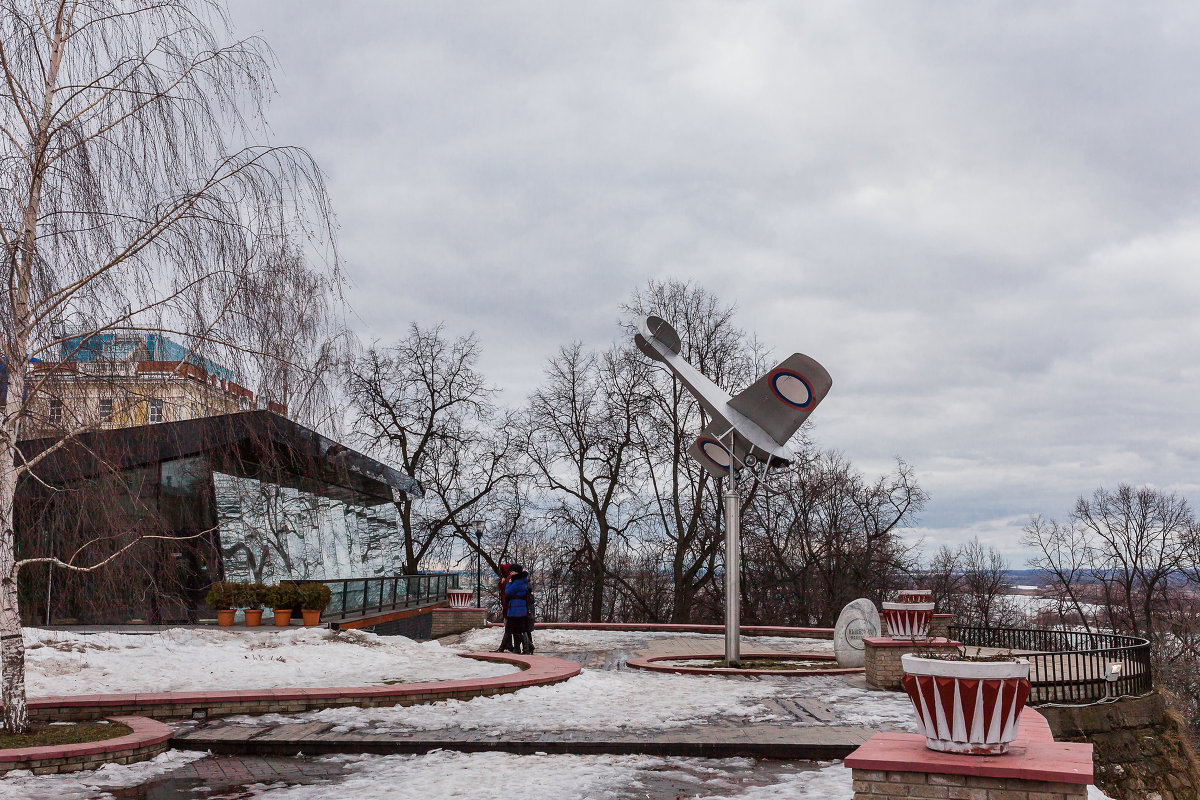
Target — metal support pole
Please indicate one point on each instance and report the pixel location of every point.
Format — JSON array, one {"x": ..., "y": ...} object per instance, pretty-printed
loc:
[{"x": 733, "y": 575}]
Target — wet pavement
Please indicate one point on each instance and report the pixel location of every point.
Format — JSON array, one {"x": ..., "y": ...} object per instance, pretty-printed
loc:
[{"x": 234, "y": 778}]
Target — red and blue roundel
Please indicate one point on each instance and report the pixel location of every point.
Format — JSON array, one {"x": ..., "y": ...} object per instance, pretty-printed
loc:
[
  {"x": 792, "y": 388},
  {"x": 715, "y": 452}
]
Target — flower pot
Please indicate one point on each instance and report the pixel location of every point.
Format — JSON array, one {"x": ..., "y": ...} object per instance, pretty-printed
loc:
[
  {"x": 253, "y": 617},
  {"x": 967, "y": 707},
  {"x": 908, "y": 620},
  {"x": 225, "y": 616},
  {"x": 461, "y": 598},
  {"x": 312, "y": 616},
  {"x": 914, "y": 596},
  {"x": 283, "y": 617}
]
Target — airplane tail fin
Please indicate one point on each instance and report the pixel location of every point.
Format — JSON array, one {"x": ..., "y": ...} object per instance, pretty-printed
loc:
[{"x": 662, "y": 333}]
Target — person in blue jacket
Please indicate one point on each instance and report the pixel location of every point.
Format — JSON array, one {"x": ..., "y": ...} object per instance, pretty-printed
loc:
[{"x": 517, "y": 620}]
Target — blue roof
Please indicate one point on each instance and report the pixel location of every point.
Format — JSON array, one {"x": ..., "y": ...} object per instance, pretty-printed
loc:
[{"x": 111, "y": 346}]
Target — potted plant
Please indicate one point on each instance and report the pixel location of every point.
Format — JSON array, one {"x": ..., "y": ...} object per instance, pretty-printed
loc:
[
  {"x": 966, "y": 704},
  {"x": 907, "y": 620},
  {"x": 252, "y": 600},
  {"x": 314, "y": 598},
  {"x": 282, "y": 598},
  {"x": 221, "y": 596}
]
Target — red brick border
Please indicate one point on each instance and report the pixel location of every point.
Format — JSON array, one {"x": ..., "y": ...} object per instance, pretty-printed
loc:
[
  {"x": 147, "y": 739},
  {"x": 648, "y": 663},
  {"x": 535, "y": 671},
  {"x": 675, "y": 627}
]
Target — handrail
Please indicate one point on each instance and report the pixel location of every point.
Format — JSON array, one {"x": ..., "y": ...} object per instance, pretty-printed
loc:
[
  {"x": 353, "y": 597},
  {"x": 1071, "y": 666}
]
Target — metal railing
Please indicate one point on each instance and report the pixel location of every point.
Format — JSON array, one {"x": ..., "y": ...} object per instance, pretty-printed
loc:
[
  {"x": 1070, "y": 666},
  {"x": 355, "y": 597}
]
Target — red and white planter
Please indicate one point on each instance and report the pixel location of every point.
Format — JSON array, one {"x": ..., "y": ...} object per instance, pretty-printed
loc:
[
  {"x": 914, "y": 596},
  {"x": 462, "y": 598},
  {"x": 967, "y": 707},
  {"x": 908, "y": 620}
]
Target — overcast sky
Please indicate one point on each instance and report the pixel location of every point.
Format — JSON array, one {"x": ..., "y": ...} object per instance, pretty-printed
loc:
[{"x": 984, "y": 221}]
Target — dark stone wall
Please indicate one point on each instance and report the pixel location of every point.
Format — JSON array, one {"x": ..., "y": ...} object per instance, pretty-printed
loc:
[
  {"x": 418, "y": 626},
  {"x": 1141, "y": 747}
]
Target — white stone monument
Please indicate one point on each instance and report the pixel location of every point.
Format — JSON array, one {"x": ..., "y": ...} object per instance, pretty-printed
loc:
[{"x": 858, "y": 620}]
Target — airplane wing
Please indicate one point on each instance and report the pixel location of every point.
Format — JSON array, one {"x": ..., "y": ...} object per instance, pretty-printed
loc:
[
  {"x": 781, "y": 400},
  {"x": 711, "y": 453}
]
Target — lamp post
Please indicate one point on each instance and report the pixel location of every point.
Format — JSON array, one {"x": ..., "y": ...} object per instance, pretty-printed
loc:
[{"x": 479, "y": 563}]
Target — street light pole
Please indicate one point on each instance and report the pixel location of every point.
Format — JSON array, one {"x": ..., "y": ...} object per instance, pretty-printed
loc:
[{"x": 479, "y": 563}]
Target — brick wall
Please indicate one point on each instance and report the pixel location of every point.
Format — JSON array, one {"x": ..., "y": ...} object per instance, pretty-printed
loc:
[
  {"x": 879, "y": 784},
  {"x": 449, "y": 621},
  {"x": 882, "y": 657}
]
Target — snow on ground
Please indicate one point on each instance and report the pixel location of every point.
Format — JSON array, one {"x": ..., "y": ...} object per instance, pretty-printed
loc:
[
  {"x": 87, "y": 785},
  {"x": 445, "y": 775},
  {"x": 64, "y": 663},
  {"x": 624, "y": 701},
  {"x": 558, "y": 640},
  {"x": 593, "y": 700}
]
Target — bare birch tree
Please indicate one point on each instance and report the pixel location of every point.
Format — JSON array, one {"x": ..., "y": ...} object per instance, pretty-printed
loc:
[{"x": 135, "y": 197}]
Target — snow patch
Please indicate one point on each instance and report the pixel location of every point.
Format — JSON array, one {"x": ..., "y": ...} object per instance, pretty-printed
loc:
[
  {"x": 91, "y": 784},
  {"x": 195, "y": 659}
]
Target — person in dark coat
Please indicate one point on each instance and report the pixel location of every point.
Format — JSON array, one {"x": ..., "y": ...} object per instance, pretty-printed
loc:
[
  {"x": 507, "y": 644},
  {"x": 516, "y": 619}
]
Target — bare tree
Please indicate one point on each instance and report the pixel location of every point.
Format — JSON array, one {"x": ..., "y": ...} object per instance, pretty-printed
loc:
[
  {"x": 424, "y": 403},
  {"x": 580, "y": 441},
  {"x": 685, "y": 500},
  {"x": 1138, "y": 539},
  {"x": 1062, "y": 551},
  {"x": 985, "y": 586},
  {"x": 825, "y": 535},
  {"x": 134, "y": 198}
]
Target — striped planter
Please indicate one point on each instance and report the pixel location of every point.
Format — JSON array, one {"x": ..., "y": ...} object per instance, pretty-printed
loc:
[
  {"x": 461, "y": 598},
  {"x": 908, "y": 620},
  {"x": 966, "y": 707},
  {"x": 914, "y": 596}
]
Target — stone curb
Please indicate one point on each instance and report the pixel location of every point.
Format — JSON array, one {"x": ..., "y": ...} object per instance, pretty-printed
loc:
[
  {"x": 674, "y": 627},
  {"x": 648, "y": 663},
  {"x": 535, "y": 671},
  {"x": 147, "y": 739}
]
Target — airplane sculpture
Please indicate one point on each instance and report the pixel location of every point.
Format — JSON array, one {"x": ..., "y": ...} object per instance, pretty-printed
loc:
[{"x": 753, "y": 428}]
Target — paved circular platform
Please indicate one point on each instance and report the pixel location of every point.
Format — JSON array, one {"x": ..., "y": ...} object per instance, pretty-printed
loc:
[{"x": 661, "y": 664}]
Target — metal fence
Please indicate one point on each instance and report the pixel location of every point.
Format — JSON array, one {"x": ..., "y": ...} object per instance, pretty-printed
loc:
[
  {"x": 353, "y": 597},
  {"x": 1071, "y": 666}
]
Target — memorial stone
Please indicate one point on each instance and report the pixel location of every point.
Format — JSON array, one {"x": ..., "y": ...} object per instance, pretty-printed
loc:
[{"x": 858, "y": 620}]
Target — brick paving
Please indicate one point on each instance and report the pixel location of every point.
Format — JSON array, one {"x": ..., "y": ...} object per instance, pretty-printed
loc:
[{"x": 228, "y": 776}]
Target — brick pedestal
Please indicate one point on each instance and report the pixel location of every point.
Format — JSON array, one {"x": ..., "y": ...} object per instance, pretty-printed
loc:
[
  {"x": 940, "y": 627},
  {"x": 898, "y": 765},
  {"x": 883, "y": 668},
  {"x": 449, "y": 621}
]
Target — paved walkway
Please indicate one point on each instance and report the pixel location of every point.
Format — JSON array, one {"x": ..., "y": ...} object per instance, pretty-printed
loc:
[{"x": 823, "y": 742}]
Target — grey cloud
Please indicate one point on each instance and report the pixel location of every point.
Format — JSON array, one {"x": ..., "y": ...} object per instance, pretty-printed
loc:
[{"x": 981, "y": 217}]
